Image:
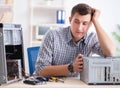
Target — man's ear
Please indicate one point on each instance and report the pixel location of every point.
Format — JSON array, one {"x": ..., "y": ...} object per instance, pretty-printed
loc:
[{"x": 93, "y": 11}]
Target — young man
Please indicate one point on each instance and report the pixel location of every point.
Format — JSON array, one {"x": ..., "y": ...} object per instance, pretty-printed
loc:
[{"x": 62, "y": 49}]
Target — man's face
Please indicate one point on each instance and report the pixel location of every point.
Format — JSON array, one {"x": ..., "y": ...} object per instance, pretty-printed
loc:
[{"x": 79, "y": 25}]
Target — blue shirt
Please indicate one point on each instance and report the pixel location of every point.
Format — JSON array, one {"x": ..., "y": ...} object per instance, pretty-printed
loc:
[{"x": 59, "y": 48}]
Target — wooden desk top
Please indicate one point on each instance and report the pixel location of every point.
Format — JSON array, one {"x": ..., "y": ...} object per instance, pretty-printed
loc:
[{"x": 68, "y": 83}]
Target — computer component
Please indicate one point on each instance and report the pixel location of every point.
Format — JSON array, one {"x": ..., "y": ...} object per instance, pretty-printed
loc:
[
  {"x": 34, "y": 80},
  {"x": 14, "y": 72},
  {"x": 100, "y": 70},
  {"x": 31, "y": 81}
]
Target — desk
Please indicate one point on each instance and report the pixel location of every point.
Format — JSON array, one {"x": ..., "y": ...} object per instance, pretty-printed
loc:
[{"x": 68, "y": 83}]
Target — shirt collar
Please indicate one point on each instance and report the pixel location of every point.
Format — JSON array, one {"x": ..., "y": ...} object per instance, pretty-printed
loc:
[{"x": 70, "y": 37}]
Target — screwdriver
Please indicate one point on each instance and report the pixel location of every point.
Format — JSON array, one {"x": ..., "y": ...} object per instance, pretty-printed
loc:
[{"x": 56, "y": 79}]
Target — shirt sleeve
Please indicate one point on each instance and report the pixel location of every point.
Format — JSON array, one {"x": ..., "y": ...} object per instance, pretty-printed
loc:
[
  {"x": 96, "y": 48},
  {"x": 45, "y": 54}
]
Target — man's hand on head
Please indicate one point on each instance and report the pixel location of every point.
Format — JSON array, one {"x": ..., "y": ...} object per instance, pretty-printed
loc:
[{"x": 96, "y": 14}]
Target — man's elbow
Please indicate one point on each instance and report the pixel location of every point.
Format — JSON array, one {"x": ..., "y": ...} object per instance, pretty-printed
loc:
[{"x": 110, "y": 53}]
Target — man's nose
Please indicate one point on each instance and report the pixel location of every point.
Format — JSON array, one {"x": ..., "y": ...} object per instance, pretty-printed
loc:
[{"x": 80, "y": 27}]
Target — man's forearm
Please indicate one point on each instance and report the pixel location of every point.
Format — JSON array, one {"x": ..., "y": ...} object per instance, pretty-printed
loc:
[
  {"x": 106, "y": 43},
  {"x": 57, "y": 70}
]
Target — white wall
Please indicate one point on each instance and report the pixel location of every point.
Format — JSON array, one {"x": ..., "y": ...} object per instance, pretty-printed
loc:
[{"x": 110, "y": 16}]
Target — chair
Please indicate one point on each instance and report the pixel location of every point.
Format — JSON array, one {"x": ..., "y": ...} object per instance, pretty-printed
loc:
[{"x": 32, "y": 56}]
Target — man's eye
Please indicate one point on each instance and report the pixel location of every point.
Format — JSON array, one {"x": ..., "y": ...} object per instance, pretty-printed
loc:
[
  {"x": 85, "y": 23},
  {"x": 77, "y": 22}
]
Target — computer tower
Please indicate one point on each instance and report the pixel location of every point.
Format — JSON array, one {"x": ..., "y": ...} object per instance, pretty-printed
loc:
[
  {"x": 11, "y": 53},
  {"x": 101, "y": 70}
]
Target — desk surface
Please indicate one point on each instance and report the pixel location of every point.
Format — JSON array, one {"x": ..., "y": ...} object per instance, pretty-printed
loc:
[{"x": 68, "y": 83}]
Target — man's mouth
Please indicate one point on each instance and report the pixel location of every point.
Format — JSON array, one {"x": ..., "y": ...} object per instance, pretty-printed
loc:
[{"x": 80, "y": 33}]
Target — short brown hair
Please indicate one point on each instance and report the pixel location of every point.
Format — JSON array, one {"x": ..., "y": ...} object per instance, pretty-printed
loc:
[{"x": 82, "y": 9}]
